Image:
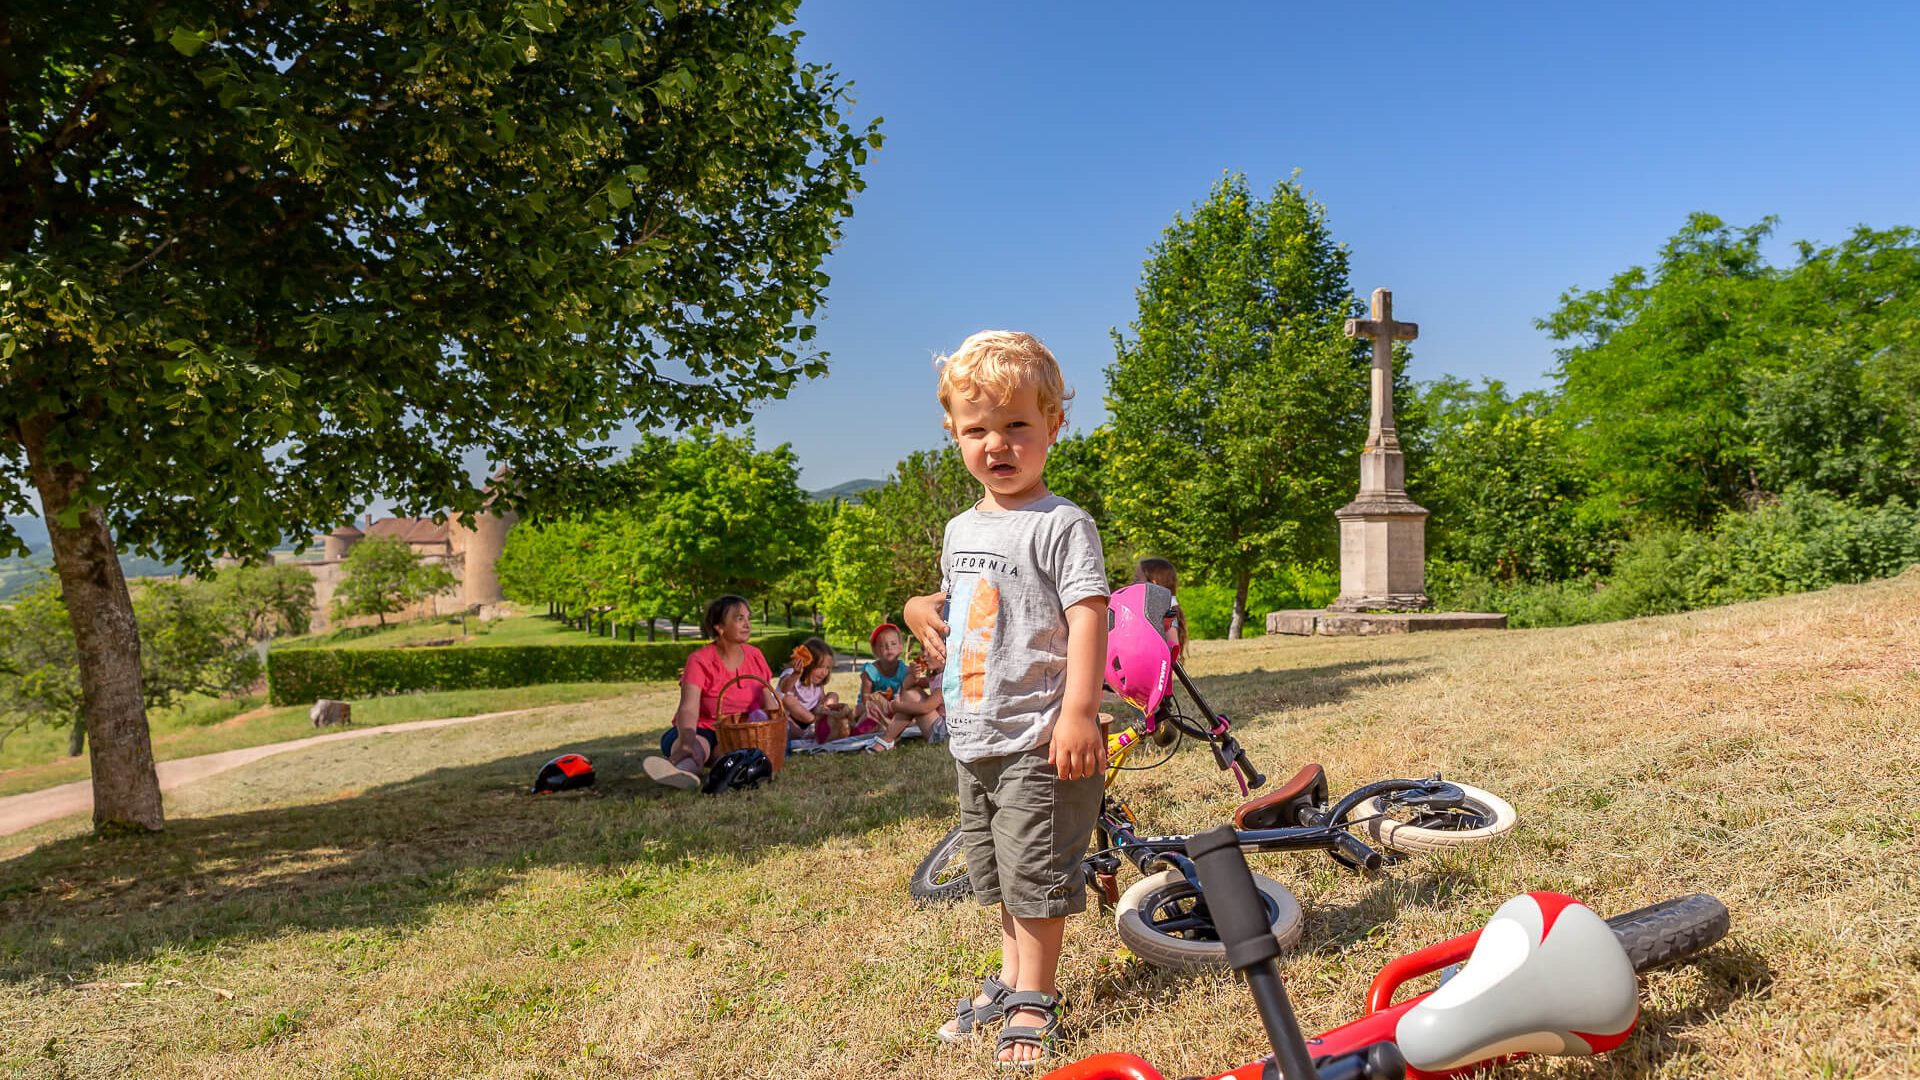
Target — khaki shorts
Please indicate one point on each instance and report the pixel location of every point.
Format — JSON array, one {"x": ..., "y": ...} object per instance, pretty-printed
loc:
[{"x": 1025, "y": 833}]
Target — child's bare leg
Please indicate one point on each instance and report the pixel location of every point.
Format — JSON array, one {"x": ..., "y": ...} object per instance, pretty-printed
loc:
[
  {"x": 1009, "y": 964},
  {"x": 1035, "y": 966}
]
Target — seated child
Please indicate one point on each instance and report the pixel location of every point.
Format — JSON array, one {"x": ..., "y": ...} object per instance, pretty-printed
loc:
[
  {"x": 896, "y": 695},
  {"x": 811, "y": 708}
]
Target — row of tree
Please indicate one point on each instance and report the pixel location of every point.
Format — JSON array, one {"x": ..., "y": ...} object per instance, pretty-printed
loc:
[{"x": 684, "y": 520}]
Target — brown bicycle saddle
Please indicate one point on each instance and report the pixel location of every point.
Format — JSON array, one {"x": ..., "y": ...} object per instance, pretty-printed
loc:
[{"x": 1282, "y": 808}]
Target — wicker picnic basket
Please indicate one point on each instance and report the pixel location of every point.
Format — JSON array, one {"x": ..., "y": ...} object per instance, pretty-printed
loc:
[{"x": 736, "y": 732}]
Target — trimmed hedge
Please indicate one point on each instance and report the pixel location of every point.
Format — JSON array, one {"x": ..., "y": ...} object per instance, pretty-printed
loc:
[{"x": 299, "y": 676}]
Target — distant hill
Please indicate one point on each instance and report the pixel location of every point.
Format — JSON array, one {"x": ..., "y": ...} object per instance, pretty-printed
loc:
[
  {"x": 849, "y": 491},
  {"x": 17, "y": 575},
  {"x": 30, "y": 529}
]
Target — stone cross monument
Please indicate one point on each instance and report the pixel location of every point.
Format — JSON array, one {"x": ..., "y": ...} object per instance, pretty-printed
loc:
[{"x": 1383, "y": 541}]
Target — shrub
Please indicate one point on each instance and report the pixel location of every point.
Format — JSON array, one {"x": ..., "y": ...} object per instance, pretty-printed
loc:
[
  {"x": 1209, "y": 608},
  {"x": 298, "y": 676},
  {"x": 1806, "y": 540}
]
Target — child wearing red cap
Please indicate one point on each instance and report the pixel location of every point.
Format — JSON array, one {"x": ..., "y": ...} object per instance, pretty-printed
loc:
[{"x": 892, "y": 693}]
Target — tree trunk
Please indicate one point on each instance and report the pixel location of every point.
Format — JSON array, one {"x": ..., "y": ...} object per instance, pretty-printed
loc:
[
  {"x": 77, "y": 738},
  {"x": 126, "y": 790},
  {"x": 1240, "y": 583},
  {"x": 789, "y": 614}
]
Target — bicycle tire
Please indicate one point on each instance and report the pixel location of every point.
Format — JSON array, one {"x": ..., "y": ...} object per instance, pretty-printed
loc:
[
  {"x": 1134, "y": 918},
  {"x": 934, "y": 881},
  {"x": 1408, "y": 838},
  {"x": 1672, "y": 931}
]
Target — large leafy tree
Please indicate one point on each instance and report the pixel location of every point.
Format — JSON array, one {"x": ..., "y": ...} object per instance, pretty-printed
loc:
[
  {"x": 1237, "y": 406},
  {"x": 1652, "y": 381},
  {"x": 1504, "y": 484},
  {"x": 1715, "y": 380},
  {"x": 926, "y": 489},
  {"x": 261, "y": 261},
  {"x": 857, "y": 590}
]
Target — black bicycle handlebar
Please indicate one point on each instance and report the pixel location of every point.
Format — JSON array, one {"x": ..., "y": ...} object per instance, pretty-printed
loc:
[{"x": 1240, "y": 918}]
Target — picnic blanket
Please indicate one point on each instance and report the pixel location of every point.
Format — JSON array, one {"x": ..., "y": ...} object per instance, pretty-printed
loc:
[{"x": 851, "y": 743}]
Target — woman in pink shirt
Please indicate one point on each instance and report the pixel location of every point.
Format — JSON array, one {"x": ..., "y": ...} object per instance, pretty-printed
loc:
[{"x": 688, "y": 746}]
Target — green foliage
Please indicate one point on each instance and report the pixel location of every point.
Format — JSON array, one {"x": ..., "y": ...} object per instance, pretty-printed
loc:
[
  {"x": 858, "y": 588},
  {"x": 298, "y": 676},
  {"x": 270, "y": 601},
  {"x": 1715, "y": 380},
  {"x": 382, "y": 575},
  {"x": 1077, "y": 470},
  {"x": 696, "y": 517},
  {"x": 193, "y": 640},
  {"x": 1237, "y": 405},
  {"x": 925, "y": 491},
  {"x": 1654, "y": 383},
  {"x": 1209, "y": 607},
  {"x": 1507, "y": 494},
  {"x": 262, "y": 261},
  {"x": 1806, "y": 540}
]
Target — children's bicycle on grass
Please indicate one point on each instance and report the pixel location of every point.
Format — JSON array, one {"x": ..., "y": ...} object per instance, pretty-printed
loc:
[
  {"x": 1164, "y": 918},
  {"x": 1546, "y": 976}
]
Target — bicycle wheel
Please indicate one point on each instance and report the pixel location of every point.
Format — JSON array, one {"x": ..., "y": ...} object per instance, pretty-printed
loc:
[
  {"x": 1164, "y": 920},
  {"x": 1481, "y": 816},
  {"x": 1671, "y": 931},
  {"x": 941, "y": 877}
]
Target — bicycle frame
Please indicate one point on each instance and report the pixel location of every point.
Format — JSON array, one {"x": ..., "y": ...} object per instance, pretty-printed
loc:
[{"x": 1153, "y": 853}]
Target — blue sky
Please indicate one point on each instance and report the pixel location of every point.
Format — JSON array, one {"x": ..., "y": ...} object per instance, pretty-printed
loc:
[{"x": 1478, "y": 160}]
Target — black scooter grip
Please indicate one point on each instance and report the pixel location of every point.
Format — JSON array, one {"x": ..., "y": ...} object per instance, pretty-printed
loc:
[{"x": 1239, "y": 916}]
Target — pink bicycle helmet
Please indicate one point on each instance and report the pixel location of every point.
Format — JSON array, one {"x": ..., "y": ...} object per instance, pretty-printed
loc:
[{"x": 1139, "y": 664}]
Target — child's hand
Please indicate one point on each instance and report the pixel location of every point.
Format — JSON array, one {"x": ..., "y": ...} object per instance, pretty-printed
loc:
[
  {"x": 1077, "y": 749},
  {"x": 923, "y": 618}
]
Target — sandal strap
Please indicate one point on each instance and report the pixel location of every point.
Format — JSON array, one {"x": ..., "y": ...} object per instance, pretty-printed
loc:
[
  {"x": 1033, "y": 999},
  {"x": 992, "y": 987},
  {"x": 1042, "y": 1036}
]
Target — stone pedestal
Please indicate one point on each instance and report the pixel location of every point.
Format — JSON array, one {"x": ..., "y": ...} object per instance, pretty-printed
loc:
[{"x": 1383, "y": 552}]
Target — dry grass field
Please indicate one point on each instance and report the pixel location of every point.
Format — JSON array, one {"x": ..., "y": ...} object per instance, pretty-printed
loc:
[{"x": 395, "y": 907}]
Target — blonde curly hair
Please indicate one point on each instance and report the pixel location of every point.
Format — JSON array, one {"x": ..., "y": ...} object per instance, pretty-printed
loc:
[{"x": 994, "y": 364}]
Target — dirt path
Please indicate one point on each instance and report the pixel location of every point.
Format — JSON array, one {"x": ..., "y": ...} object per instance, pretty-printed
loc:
[{"x": 19, "y": 812}]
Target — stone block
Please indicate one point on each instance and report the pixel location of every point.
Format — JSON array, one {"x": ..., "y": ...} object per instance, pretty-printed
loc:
[
  {"x": 327, "y": 712},
  {"x": 1370, "y": 623}
]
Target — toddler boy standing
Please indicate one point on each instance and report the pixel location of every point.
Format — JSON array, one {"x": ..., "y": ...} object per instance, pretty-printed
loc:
[{"x": 1023, "y": 636}]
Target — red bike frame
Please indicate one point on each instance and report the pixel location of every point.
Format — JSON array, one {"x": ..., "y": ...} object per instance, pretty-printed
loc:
[{"x": 1378, "y": 1025}]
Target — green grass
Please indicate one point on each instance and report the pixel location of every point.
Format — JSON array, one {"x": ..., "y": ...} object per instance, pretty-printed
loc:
[
  {"x": 41, "y": 761},
  {"x": 395, "y": 906}
]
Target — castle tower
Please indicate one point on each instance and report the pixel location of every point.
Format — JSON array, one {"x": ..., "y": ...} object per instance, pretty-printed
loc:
[
  {"x": 479, "y": 583},
  {"x": 334, "y": 545}
]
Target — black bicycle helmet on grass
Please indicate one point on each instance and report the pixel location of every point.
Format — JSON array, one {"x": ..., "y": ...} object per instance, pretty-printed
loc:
[{"x": 739, "y": 769}]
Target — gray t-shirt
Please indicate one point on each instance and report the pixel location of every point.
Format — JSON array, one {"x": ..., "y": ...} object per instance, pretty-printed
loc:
[{"x": 1010, "y": 576}]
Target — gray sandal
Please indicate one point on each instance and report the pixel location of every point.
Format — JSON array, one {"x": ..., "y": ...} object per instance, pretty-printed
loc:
[
  {"x": 1022, "y": 1034},
  {"x": 968, "y": 1016}
]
